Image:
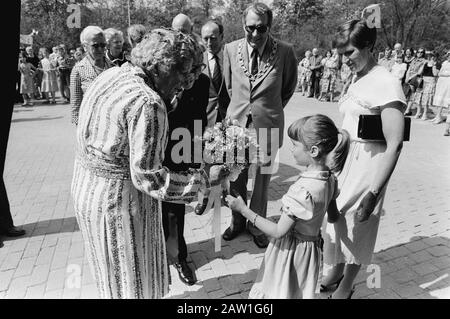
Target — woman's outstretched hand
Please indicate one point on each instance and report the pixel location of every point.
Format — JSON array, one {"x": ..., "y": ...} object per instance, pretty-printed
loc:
[
  {"x": 236, "y": 204},
  {"x": 366, "y": 207}
]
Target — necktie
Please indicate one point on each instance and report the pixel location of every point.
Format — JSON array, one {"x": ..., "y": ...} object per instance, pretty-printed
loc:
[
  {"x": 254, "y": 67},
  {"x": 217, "y": 75}
]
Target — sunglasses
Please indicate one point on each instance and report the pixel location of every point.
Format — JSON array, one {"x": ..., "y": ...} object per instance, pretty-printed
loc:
[
  {"x": 98, "y": 45},
  {"x": 420, "y": 52},
  {"x": 259, "y": 28}
]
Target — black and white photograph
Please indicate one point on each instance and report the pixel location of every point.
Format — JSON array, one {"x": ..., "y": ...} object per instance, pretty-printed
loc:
[{"x": 223, "y": 149}]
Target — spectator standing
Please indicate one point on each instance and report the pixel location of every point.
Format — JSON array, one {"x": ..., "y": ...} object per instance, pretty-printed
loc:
[
  {"x": 91, "y": 66},
  {"x": 49, "y": 83},
  {"x": 305, "y": 76},
  {"x": 423, "y": 97},
  {"x": 315, "y": 65},
  {"x": 27, "y": 71},
  {"x": 212, "y": 38},
  {"x": 330, "y": 70},
  {"x": 442, "y": 95},
  {"x": 64, "y": 66},
  {"x": 114, "y": 44},
  {"x": 34, "y": 60},
  {"x": 387, "y": 60},
  {"x": 398, "y": 70},
  {"x": 413, "y": 77}
]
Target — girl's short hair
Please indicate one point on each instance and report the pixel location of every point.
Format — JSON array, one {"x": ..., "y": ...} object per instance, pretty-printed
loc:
[
  {"x": 356, "y": 33},
  {"x": 319, "y": 130}
]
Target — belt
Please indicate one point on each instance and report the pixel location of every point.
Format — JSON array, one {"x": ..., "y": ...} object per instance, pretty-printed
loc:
[{"x": 102, "y": 168}]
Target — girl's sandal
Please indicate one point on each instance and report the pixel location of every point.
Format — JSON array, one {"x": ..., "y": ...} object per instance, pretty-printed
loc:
[{"x": 329, "y": 287}]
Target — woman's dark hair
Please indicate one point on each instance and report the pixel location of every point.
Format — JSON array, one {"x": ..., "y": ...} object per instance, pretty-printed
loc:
[
  {"x": 356, "y": 33},
  {"x": 319, "y": 130}
]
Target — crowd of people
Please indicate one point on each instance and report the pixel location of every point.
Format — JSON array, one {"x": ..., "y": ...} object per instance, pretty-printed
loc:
[
  {"x": 129, "y": 193},
  {"x": 425, "y": 81}
]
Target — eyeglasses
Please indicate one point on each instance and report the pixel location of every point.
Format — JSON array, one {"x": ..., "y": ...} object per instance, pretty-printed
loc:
[
  {"x": 420, "y": 51},
  {"x": 98, "y": 45},
  {"x": 259, "y": 28}
]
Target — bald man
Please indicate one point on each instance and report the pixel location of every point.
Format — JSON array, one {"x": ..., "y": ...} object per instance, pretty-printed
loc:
[{"x": 182, "y": 23}]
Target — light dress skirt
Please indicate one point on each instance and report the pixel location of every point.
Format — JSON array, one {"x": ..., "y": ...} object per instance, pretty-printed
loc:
[
  {"x": 442, "y": 94},
  {"x": 291, "y": 268},
  {"x": 348, "y": 241}
]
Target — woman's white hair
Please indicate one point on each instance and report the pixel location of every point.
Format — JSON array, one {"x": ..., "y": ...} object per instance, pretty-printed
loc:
[
  {"x": 163, "y": 47},
  {"x": 111, "y": 32},
  {"x": 90, "y": 32}
]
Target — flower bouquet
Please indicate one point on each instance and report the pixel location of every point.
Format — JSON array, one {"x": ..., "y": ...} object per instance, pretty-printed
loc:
[
  {"x": 235, "y": 148},
  {"x": 232, "y": 146}
]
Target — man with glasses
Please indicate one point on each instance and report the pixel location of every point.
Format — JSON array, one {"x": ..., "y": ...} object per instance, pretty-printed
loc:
[
  {"x": 413, "y": 77},
  {"x": 260, "y": 75},
  {"x": 85, "y": 71}
]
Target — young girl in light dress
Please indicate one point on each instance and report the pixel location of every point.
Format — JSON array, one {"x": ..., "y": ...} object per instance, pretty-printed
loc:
[
  {"x": 49, "y": 79},
  {"x": 292, "y": 264},
  {"x": 27, "y": 71}
]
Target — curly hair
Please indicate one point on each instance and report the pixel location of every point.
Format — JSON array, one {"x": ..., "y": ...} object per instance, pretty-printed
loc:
[{"x": 170, "y": 48}]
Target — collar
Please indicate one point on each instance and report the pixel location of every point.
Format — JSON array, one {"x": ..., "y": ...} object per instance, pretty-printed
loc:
[
  {"x": 113, "y": 60},
  {"x": 320, "y": 175},
  {"x": 260, "y": 50}
]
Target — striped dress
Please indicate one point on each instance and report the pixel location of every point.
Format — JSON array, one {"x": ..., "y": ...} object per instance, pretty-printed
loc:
[{"x": 119, "y": 183}]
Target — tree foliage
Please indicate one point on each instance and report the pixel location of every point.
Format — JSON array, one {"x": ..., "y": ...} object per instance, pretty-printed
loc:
[{"x": 305, "y": 23}]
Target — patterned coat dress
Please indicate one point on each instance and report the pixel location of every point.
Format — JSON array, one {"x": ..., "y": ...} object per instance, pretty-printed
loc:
[{"x": 119, "y": 183}]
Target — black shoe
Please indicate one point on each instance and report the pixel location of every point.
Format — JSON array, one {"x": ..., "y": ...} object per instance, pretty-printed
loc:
[
  {"x": 230, "y": 234},
  {"x": 185, "y": 273},
  {"x": 261, "y": 240},
  {"x": 14, "y": 232},
  {"x": 201, "y": 207}
]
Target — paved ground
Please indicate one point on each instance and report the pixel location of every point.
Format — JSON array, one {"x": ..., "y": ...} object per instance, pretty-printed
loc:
[{"x": 412, "y": 253}]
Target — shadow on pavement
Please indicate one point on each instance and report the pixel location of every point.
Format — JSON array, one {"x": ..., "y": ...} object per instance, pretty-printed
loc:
[
  {"x": 418, "y": 269},
  {"x": 47, "y": 227},
  {"x": 36, "y": 119}
]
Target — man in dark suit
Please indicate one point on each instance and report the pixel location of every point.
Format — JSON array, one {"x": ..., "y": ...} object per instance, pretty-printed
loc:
[
  {"x": 212, "y": 37},
  {"x": 261, "y": 75},
  {"x": 189, "y": 113},
  {"x": 315, "y": 64}
]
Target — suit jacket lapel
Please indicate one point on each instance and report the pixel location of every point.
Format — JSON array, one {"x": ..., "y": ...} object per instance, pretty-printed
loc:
[{"x": 264, "y": 59}]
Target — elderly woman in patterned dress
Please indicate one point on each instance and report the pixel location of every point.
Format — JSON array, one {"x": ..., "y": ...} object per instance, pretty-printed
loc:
[
  {"x": 85, "y": 71},
  {"x": 119, "y": 180}
]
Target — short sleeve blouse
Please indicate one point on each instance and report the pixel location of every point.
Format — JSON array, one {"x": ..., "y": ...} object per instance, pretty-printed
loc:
[{"x": 366, "y": 96}]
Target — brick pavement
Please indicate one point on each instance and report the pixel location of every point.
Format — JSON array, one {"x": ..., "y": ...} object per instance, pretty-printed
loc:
[{"x": 412, "y": 252}]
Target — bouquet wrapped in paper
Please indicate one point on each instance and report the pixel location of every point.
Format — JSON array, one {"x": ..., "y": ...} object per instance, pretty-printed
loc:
[{"x": 230, "y": 145}]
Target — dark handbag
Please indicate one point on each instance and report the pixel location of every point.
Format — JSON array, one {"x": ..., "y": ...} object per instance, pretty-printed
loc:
[{"x": 370, "y": 128}]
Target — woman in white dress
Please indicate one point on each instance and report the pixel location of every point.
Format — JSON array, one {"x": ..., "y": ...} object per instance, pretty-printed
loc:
[
  {"x": 442, "y": 95},
  {"x": 350, "y": 242}
]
